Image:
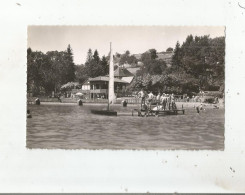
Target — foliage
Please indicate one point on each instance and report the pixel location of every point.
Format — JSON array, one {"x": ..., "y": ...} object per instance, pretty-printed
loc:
[
  {"x": 81, "y": 74},
  {"x": 70, "y": 85},
  {"x": 151, "y": 65},
  {"x": 47, "y": 72},
  {"x": 203, "y": 59},
  {"x": 168, "y": 83},
  {"x": 153, "y": 53},
  {"x": 197, "y": 64},
  {"x": 126, "y": 58},
  {"x": 170, "y": 49},
  {"x": 94, "y": 66}
]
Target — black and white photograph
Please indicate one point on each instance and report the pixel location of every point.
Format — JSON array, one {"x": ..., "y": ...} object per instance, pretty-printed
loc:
[
  {"x": 126, "y": 87},
  {"x": 132, "y": 96}
]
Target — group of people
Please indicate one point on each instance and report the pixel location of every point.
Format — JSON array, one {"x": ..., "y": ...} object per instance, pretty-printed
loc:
[{"x": 163, "y": 101}]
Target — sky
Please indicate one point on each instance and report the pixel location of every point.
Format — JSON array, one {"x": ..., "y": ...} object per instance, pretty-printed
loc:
[{"x": 136, "y": 39}]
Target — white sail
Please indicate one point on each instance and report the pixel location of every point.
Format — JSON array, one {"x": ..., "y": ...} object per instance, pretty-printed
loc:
[{"x": 111, "y": 95}]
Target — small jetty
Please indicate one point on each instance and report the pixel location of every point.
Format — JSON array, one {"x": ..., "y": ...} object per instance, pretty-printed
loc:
[{"x": 157, "y": 113}]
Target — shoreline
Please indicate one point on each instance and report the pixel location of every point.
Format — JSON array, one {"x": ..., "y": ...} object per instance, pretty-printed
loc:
[{"x": 186, "y": 105}]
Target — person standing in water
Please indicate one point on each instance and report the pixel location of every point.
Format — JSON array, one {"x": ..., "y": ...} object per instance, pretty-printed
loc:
[
  {"x": 29, "y": 114},
  {"x": 158, "y": 100},
  {"x": 150, "y": 98},
  {"x": 164, "y": 101},
  {"x": 141, "y": 94},
  {"x": 173, "y": 105}
]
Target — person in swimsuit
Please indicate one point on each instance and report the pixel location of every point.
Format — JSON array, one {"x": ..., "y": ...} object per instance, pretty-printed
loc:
[{"x": 141, "y": 94}]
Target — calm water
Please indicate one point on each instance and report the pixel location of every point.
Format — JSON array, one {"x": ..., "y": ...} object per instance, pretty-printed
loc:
[{"x": 68, "y": 126}]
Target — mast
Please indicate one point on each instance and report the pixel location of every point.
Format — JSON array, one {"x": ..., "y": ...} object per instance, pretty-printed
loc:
[{"x": 111, "y": 95}]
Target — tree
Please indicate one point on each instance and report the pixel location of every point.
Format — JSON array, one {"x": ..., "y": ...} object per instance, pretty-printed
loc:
[
  {"x": 153, "y": 53},
  {"x": 202, "y": 58},
  {"x": 127, "y": 58},
  {"x": 170, "y": 49},
  {"x": 176, "y": 59},
  {"x": 89, "y": 55},
  {"x": 34, "y": 71},
  {"x": 94, "y": 66},
  {"x": 70, "y": 64},
  {"x": 96, "y": 56},
  {"x": 104, "y": 66},
  {"x": 127, "y": 53},
  {"x": 81, "y": 74}
]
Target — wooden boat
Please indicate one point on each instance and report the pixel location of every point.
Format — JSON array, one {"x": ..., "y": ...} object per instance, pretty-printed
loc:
[{"x": 105, "y": 112}]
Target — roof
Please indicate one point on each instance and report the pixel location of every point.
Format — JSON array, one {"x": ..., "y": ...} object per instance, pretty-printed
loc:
[
  {"x": 134, "y": 70},
  {"x": 128, "y": 79},
  {"x": 122, "y": 72},
  {"x": 86, "y": 82},
  {"x": 106, "y": 78}
]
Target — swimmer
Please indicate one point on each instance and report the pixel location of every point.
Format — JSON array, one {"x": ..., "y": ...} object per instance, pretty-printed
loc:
[
  {"x": 29, "y": 114},
  {"x": 37, "y": 101},
  {"x": 80, "y": 102},
  {"x": 201, "y": 108},
  {"x": 216, "y": 107}
]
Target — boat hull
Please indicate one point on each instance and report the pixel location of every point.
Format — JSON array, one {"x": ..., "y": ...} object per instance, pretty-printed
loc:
[{"x": 104, "y": 112}]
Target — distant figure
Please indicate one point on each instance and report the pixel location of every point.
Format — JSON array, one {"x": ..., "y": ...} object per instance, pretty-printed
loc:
[
  {"x": 144, "y": 107},
  {"x": 37, "y": 101},
  {"x": 29, "y": 114},
  {"x": 158, "y": 99},
  {"x": 150, "y": 98},
  {"x": 125, "y": 103},
  {"x": 80, "y": 102},
  {"x": 197, "y": 108},
  {"x": 163, "y": 101},
  {"x": 173, "y": 105},
  {"x": 59, "y": 98},
  {"x": 216, "y": 100},
  {"x": 216, "y": 107},
  {"x": 141, "y": 94},
  {"x": 201, "y": 108}
]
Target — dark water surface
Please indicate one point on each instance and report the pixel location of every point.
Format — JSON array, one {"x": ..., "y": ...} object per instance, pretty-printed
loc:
[{"x": 68, "y": 126}]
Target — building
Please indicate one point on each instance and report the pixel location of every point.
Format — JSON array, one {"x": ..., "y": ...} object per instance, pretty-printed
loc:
[
  {"x": 123, "y": 74},
  {"x": 99, "y": 87},
  {"x": 86, "y": 85}
]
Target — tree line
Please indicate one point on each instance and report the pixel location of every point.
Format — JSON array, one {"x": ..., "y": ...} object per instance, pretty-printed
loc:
[
  {"x": 197, "y": 64},
  {"x": 48, "y": 72}
]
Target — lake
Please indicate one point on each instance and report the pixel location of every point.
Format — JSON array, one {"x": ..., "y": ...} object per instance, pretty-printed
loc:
[{"x": 69, "y": 126}]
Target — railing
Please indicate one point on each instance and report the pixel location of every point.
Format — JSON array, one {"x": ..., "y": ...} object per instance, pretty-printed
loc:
[
  {"x": 98, "y": 90},
  {"x": 133, "y": 100}
]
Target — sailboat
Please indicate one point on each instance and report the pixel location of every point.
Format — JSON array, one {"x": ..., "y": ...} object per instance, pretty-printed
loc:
[{"x": 111, "y": 94}]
